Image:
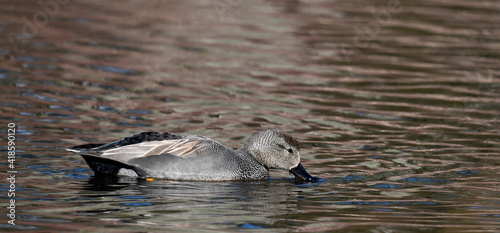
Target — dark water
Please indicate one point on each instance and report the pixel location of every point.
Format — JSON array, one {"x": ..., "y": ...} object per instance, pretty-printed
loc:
[{"x": 396, "y": 104}]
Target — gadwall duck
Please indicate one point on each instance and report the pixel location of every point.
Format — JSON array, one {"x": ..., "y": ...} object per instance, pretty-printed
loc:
[{"x": 196, "y": 158}]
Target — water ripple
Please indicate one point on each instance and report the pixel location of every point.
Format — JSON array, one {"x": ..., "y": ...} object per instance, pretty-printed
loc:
[{"x": 398, "y": 115}]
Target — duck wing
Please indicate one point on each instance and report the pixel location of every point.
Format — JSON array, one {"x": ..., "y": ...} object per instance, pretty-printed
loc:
[
  {"x": 130, "y": 140},
  {"x": 151, "y": 143},
  {"x": 184, "y": 147}
]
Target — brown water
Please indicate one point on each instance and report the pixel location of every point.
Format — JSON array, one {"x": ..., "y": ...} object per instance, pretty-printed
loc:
[{"x": 396, "y": 105}]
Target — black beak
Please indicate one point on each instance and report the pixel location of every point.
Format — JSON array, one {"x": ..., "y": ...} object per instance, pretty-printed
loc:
[{"x": 301, "y": 176}]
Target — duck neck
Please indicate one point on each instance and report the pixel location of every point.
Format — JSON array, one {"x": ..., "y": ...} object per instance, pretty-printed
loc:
[
  {"x": 247, "y": 156},
  {"x": 253, "y": 169}
]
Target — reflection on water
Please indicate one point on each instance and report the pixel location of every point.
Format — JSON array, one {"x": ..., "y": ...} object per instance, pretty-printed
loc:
[
  {"x": 205, "y": 203},
  {"x": 395, "y": 103}
]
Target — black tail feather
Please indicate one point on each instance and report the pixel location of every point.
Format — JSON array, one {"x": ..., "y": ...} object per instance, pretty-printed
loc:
[{"x": 106, "y": 166}]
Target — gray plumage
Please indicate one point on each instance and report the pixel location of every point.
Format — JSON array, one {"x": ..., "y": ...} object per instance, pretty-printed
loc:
[{"x": 190, "y": 157}]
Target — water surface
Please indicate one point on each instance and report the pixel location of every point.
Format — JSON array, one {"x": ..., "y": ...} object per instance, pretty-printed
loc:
[{"x": 396, "y": 105}]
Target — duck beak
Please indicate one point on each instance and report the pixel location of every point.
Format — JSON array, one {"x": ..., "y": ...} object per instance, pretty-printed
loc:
[{"x": 301, "y": 176}]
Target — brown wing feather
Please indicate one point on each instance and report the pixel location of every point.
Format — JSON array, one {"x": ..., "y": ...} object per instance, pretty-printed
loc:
[{"x": 190, "y": 146}]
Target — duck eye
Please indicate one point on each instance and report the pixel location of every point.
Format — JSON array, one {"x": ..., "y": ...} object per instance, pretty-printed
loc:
[{"x": 290, "y": 150}]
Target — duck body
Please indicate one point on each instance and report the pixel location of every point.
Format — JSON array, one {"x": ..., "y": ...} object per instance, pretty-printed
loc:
[{"x": 196, "y": 158}]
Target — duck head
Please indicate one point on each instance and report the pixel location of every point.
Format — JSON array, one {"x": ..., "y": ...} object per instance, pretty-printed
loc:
[{"x": 274, "y": 148}]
